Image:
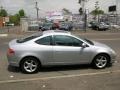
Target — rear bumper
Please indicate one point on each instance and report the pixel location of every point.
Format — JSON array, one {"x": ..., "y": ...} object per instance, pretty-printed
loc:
[{"x": 13, "y": 60}]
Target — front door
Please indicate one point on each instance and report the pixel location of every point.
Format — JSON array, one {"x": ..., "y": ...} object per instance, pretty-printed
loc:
[{"x": 68, "y": 50}]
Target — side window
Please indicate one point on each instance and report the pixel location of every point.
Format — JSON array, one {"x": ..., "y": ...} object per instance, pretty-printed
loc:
[
  {"x": 63, "y": 40},
  {"x": 77, "y": 42},
  {"x": 44, "y": 41}
]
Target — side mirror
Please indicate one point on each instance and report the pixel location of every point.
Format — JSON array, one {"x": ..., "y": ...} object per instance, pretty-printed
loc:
[{"x": 84, "y": 45}]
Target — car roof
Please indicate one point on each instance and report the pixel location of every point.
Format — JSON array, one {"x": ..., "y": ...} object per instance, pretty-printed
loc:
[{"x": 56, "y": 32}]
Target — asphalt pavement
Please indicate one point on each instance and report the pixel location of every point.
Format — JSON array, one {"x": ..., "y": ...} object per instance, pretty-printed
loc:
[{"x": 81, "y": 77}]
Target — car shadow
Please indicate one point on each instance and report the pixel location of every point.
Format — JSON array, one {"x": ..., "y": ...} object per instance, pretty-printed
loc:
[
  {"x": 53, "y": 68},
  {"x": 65, "y": 68},
  {"x": 13, "y": 69}
]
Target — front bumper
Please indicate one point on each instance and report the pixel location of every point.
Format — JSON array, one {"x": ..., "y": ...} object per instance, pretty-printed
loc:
[{"x": 113, "y": 58}]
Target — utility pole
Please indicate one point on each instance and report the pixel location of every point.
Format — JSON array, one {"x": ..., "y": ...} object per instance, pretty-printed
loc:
[
  {"x": 37, "y": 9},
  {"x": 82, "y": 3},
  {"x": 1, "y": 8},
  {"x": 116, "y": 11},
  {"x": 97, "y": 8}
]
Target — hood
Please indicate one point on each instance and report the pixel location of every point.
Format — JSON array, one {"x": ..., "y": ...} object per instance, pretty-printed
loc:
[
  {"x": 101, "y": 44},
  {"x": 97, "y": 44}
]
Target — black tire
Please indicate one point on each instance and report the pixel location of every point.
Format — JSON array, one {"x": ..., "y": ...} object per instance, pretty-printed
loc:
[
  {"x": 29, "y": 65},
  {"x": 101, "y": 61}
]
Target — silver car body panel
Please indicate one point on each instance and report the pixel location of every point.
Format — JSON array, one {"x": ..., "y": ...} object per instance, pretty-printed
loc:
[{"x": 57, "y": 55}]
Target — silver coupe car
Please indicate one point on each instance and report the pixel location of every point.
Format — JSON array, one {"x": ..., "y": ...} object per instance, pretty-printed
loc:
[{"x": 57, "y": 48}]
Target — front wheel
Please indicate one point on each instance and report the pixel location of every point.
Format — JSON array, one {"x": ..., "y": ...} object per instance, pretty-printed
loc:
[
  {"x": 29, "y": 65},
  {"x": 101, "y": 61}
]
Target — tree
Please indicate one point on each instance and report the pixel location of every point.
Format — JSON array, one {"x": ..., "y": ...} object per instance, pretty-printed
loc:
[
  {"x": 21, "y": 13},
  {"x": 3, "y": 13},
  {"x": 101, "y": 12},
  {"x": 96, "y": 12},
  {"x": 15, "y": 19}
]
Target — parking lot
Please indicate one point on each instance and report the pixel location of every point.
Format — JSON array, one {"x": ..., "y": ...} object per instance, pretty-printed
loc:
[{"x": 81, "y": 77}]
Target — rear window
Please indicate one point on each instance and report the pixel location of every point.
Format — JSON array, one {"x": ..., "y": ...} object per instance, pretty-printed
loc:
[{"x": 22, "y": 40}]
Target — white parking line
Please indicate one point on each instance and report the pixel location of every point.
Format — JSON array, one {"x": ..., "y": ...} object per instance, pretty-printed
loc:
[
  {"x": 3, "y": 35},
  {"x": 58, "y": 77},
  {"x": 94, "y": 33}
]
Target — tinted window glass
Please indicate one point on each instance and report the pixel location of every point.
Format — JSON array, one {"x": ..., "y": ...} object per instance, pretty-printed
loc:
[
  {"x": 76, "y": 42},
  {"x": 22, "y": 40},
  {"x": 63, "y": 40},
  {"x": 44, "y": 41},
  {"x": 88, "y": 41}
]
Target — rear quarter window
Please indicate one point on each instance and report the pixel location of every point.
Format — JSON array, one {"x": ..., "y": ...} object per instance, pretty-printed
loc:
[
  {"x": 22, "y": 40},
  {"x": 44, "y": 41}
]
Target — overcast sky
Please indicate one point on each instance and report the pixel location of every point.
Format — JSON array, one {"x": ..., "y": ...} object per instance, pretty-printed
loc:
[
  {"x": 12, "y": 6},
  {"x": 45, "y": 5}
]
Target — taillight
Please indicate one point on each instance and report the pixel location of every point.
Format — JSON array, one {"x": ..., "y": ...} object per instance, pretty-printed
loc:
[{"x": 10, "y": 51}]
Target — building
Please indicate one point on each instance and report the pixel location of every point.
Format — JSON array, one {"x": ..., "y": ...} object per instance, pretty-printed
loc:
[
  {"x": 1, "y": 21},
  {"x": 111, "y": 9},
  {"x": 58, "y": 16},
  {"x": 24, "y": 24},
  {"x": 54, "y": 16}
]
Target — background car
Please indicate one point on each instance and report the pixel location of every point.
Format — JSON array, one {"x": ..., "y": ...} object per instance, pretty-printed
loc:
[
  {"x": 33, "y": 26},
  {"x": 99, "y": 26},
  {"x": 46, "y": 26},
  {"x": 40, "y": 26},
  {"x": 55, "y": 26},
  {"x": 78, "y": 25},
  {"x": 66, "y": 26},
  {"x": 57, "y": 48},
  {"x": 114, "y": 26}
]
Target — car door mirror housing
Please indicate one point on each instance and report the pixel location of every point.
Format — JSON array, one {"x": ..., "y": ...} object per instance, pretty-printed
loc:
[{"x": 84, "y": 45}]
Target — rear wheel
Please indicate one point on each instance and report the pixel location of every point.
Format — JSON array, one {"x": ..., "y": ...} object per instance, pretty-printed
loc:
[
  {"x": 101, "y": 61},
  {"x": 30, "y": 65}
]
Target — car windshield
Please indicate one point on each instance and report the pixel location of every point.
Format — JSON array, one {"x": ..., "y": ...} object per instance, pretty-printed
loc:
[
  {"x": 22, "y": 40},
  {"x": 86, "y": 40}
]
